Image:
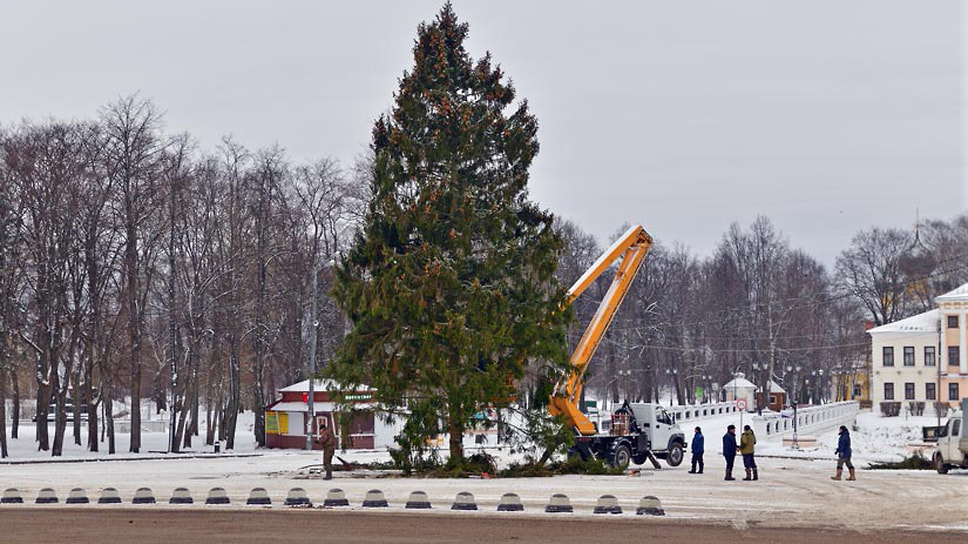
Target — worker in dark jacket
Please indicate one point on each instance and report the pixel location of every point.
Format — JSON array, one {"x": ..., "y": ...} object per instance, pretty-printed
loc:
[
  {"x": 327, "y": 440},
  {"x": 729, "y": 450},
  {"x": 747, "y": 446},
  {"x": 697, "y": 447},
  {"x": 843, "y": 455}
]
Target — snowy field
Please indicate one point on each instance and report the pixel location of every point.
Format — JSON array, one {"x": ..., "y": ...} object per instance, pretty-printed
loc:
[{"x": 794, "y": 490}]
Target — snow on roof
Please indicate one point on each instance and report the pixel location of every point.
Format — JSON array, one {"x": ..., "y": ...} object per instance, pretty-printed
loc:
[
  {"x": 926, "y": 322},
  {"x": 739, "y": 383},
  {"x": 320, "y": 385},
  {"x": 959, "y": 294}
]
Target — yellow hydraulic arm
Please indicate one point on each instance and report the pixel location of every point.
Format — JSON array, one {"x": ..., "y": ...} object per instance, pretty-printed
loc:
[{"x": 632, "y": 248}]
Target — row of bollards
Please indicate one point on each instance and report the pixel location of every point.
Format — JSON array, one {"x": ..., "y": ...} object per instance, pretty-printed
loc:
[{"x": 297, "y": 497}]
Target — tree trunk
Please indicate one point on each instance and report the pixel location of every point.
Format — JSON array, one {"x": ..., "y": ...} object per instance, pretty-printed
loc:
[
  {"x": 15, "y": 424},
  {"x": 456, "y": 440},
  {"x": 3, "y": 414},
  {"x": 43, "y": 404}
]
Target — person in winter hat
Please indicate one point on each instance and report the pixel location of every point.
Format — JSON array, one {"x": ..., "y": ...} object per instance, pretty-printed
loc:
[
  {"x": 747, "y": 446},
  {"x": 843, "y": 455},
  {"x": 729, "y": 450},
  {"x": 697, "y": 448}
]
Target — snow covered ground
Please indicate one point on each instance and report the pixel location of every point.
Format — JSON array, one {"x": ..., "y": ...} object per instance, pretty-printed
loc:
[{"x": 794, "y": 489}]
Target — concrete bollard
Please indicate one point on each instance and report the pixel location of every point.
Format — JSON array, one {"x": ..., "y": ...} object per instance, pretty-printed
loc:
[
  {"x": 418, "y": 500},
  {"x": 77, "y": 496},
  {"x": 109, "y": 495},
  {"x": 181, "y": 495},
  {"x": 46, "y": 496},
  {"x": 559, "y": 504},
  {"x": 607, "y": 504},
  {"x": 649, "y": 506},
  {"x": 375, "y": 499},
  {"x": 143, "y": 495},
  {"x": 510, "y": 502},
  {"x": 464, "y": 501},
  {"x": 336, "y": 497},
  {"x": 259, "y": 496},
  {"x": 297, "y": 497},
  {"x": 11, "y": 495},
  {"x": 217, "y": 495}
]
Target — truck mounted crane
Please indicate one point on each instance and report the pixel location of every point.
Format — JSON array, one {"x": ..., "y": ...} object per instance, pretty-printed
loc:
[{"x": 638, "y": 431}]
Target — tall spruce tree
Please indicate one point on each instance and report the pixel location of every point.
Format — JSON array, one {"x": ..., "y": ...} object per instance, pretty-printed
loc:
[{"x": 449, "y": 285}]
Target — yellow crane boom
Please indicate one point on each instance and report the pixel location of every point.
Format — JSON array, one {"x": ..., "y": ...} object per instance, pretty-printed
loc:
[{"x": 631, "y": 248}]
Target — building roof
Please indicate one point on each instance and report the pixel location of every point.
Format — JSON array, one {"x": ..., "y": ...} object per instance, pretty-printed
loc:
[
  {"x": 926, "y": 322},
  {"x": 739, "y": 383},
  {"x": 959, "y": 294},
  {"x": 320, "y": 385},
  {"x": 775, "y": 387}
]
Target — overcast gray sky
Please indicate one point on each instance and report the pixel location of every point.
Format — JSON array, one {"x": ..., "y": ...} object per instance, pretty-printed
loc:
[{"x": 828, "y": 116}]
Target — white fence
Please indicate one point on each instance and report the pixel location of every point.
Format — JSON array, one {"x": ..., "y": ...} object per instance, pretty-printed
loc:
[
  {"x": 811, "y": 419},
  {"x": 700, "y": 411}
]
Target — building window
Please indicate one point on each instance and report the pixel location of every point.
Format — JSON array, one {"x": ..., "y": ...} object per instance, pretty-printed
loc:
[
  {"x": 953, "y": 391},
  {"x": 888, "y": 391},
  {"x": 888, "y": 355},
  {"x": 953, "y": 355},
  {"x": 908, "y": 355},
  {"x": 930, "y": 391},
  {"x": 908, "y": 391},
  {"x": 928, "y": 355},
  {"x": 952, "y": 322}
]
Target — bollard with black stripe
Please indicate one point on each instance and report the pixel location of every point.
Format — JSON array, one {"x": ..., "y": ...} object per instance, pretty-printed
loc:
[
  {"x": 559, "y": 504},
  {"x": 649, "y": 506},
  {"x": 464, "y": 501},
  {"x": 217, "y": 495},
  {"x": 375, "y": 499},
  {"x": 259, "y": 497},
  {"x": 419, "y": 501},
  {"x": 297, "y": 497},
  {"x": 11, "y": 495},
  {"x": 109, "y": 495},
  {"x": 143, "y": 495},
  {"x": 181, "y": 495},
  {"x": 335, "y": 498},
  {"x": 77, "y": 496},
  {"x": 510, "y": 502},
  {"x": 607, "y": 504},
  {"x": 46, "y": 496}
]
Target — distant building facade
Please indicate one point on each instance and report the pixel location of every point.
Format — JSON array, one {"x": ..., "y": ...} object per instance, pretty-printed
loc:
[{"x": 923, "y": 358}]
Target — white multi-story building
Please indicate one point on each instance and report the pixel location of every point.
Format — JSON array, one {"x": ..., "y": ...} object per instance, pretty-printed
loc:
[{"x": 923, "y": 358}]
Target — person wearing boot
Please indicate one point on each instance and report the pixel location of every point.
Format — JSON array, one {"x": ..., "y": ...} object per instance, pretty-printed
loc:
[
  {"x": 729, "y": 450},
  {"x": 697, "y": 448},
  {"x": 843, "y": 455},
  {"x": 327, "y": 440},
  {"x": 747, "y": 446}
]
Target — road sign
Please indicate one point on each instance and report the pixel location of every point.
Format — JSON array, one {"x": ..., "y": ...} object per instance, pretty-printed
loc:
[{"x": 740, "y": 404}]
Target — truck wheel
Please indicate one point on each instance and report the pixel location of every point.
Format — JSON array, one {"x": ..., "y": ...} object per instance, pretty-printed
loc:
[
  {"x": 674, "y": 457},
  {"x": 621, "y": 456},
  {"x": 939, "y": 464}
]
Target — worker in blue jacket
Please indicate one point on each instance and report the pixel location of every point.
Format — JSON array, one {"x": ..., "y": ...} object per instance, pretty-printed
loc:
[
  {"x": 843, "y": 455},
  {"x": 729, "y": 450},
  {"x": 697, "y": 448}
]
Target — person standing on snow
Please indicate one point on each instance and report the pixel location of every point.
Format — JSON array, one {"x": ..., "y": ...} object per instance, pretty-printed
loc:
[
  {"x": 747, "y": 444},
  {"x": 729, "y": 450},
  {"x": 327, "y": 440},
  {"x": 697, "y": 448},
  {"x": 843, "y": 455}
]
